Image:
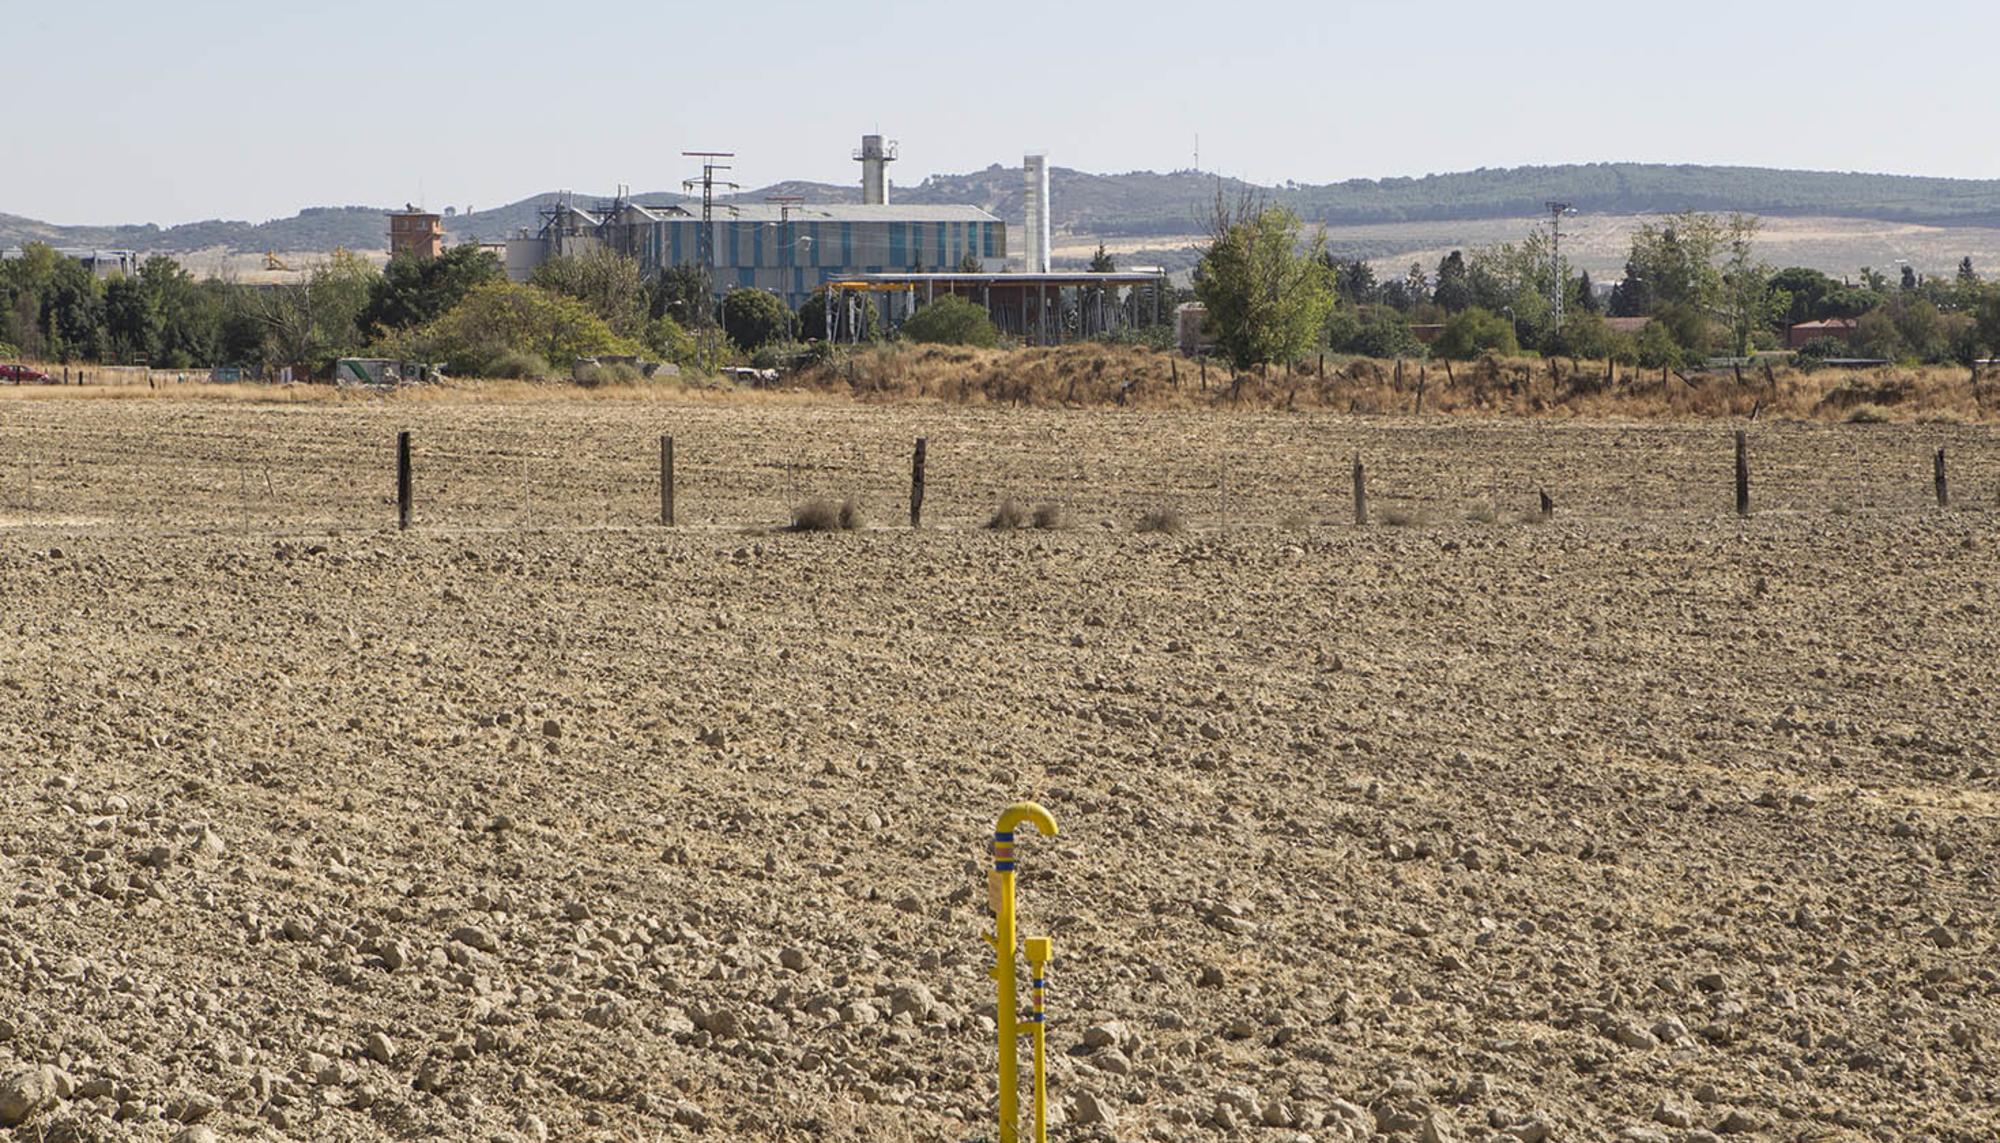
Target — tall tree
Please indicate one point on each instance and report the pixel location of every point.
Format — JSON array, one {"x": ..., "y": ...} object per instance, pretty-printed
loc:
[
  {"x": 1746, "y": 297},
  {"x": 606, "y": 281},
  {"x": 1355, "y": 282},
  {"x": 1632, "y": 295},
  {"x": 414, "y": 290},
  {"x": 1586, "y": 294},
  {"x": 755, "y": 318},
  {"x": 1267, "y": 298},
  {"x": 1417, "y": 284},
  {"x": 1454, "y": 288},
  {"x": 681, "y": 292}
]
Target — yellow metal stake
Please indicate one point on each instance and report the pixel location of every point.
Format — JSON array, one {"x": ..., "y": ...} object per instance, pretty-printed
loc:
[
  {"x": 1039, "y": 950},
  {"x": 1000, "y": 896}
]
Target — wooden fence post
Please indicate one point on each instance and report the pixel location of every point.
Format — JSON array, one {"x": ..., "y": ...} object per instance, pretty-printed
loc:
[
  {"x": 1548, "y": 507},
  {"x": 403, "y": 480},
  {"x": 1943, "y": 494},
  {"x": 667, "y": 481},
  {"x": 917, "y": 484},
  {"x": 1742, "y": 473},
  {"x": 1360, "y": 493}
]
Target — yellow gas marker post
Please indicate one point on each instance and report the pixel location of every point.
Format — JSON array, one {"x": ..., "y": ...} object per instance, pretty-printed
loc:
[
  {"x": 1000, "y": 897},
  {"x": 1039, "y": 951}
]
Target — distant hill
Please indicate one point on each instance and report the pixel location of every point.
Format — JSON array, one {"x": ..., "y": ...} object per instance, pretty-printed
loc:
[
  {"x": 314, "y": 228},
  {"x": 1145, "y": 203}
]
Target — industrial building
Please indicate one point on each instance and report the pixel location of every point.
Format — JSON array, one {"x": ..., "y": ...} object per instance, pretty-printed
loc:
[
  {"x": 418, "y": 232},
  {"x": 788, "y": 247},
  {"x": 100, "y": 263},
  {"x": 1040, "y": 309}
]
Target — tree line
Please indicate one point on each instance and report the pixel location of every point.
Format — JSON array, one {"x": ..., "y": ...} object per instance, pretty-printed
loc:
[
  {"x": 457, "y": 310},
  {"x": 1274, "y": 293}
]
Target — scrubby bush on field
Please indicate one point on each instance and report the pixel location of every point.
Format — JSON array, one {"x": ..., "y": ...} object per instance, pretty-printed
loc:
[
  {"x": 1009, "y": 515},
  {"x": 823, "y": 515},
  {"x": 952, "y": 320},
  {"x": 502, "y": 318}
]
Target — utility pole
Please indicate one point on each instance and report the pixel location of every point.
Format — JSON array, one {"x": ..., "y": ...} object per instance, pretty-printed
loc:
[
  {"x": 705, "y": 241},
  {"x": 785, "y": 204},
  {"x": 1556, "y": 212}
]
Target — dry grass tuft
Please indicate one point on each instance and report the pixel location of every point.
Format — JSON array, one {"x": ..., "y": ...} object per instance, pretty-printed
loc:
[
  {"x": 1161, "y": 520},
  {"x": 1008, "y": 516},
  {"x": 823, "y": 515},
  {"x": 1051, "y": 517},
  {"x": 1399, "y": 517},
  {"x": 1868, "y": 415},
  {"x": 1482, "y": 513}
]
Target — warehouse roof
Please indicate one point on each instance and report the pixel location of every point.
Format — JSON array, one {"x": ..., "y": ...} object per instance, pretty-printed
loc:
[{"x": 821, "y": 212}]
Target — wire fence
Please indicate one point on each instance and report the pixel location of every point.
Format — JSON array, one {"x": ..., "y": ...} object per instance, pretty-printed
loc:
[{"x": 316, "y": 467}]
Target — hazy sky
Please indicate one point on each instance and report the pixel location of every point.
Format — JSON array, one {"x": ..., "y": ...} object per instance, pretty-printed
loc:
[{"x": 130, "y": 111}]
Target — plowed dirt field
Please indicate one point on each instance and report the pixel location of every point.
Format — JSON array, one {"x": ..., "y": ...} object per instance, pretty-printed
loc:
[{"x": 540, "y": 820}]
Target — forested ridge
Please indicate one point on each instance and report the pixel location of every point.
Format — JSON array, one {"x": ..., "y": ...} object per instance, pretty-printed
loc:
[{"x": 1148, "y": 203}]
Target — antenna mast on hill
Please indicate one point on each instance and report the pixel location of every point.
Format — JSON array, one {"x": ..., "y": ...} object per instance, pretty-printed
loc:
[{"x": 1556, "y": 212}]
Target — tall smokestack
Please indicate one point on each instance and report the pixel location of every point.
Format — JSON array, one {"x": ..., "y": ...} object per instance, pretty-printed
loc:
[
  {"x": 1035, "y": 169},
  {"x": 875, "y": 157}
]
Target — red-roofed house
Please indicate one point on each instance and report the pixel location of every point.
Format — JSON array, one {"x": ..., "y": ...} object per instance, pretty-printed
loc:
[{"x": 1840, "y": 329}]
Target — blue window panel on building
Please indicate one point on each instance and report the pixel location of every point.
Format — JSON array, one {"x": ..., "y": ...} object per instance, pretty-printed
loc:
[
  {"x": 896, "y": 254},
  {"x": 734, "y": 258},
  {"x": 941, "y": 256},
  {"x": 675, "y": 232},
  {"x": 815, "y": 242},
  {"x": 846, "y": 244},
  {"x": 757, "y": 246}
]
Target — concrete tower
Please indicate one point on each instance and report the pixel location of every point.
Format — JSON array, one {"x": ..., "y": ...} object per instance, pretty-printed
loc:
[
  {"x": 1036, "y": 171},
  {"x": 875, "y": 157}
]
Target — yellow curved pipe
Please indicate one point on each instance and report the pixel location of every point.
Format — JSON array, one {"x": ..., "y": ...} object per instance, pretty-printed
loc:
[
  {"x": 1000, "y": 895},
  {"x": 1026, "y": 812}
]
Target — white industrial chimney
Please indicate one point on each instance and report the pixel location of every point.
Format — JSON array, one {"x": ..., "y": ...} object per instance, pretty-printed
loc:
[
  {"x": 875, "y": 158},
  {"x": 1035, "y": 169}
]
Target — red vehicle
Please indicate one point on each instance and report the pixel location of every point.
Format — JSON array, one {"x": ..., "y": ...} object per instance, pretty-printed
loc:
[{"x": 19, "y": 374}]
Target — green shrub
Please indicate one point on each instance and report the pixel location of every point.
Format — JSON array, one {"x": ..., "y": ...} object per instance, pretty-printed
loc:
[
  {"x": 783, "y": 356},
  {"x": 519, "y": 365},
  {"x": 1657, "y": 347},
  {"x": 952, "y": 320},
  {"x": 755, "y": 318},
  {"x": 1476, "y": 331},
  {"x": 608, "y": 373},
  {"x": 1818, "y": 351},
  {"x": 500, "y": 319}
]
